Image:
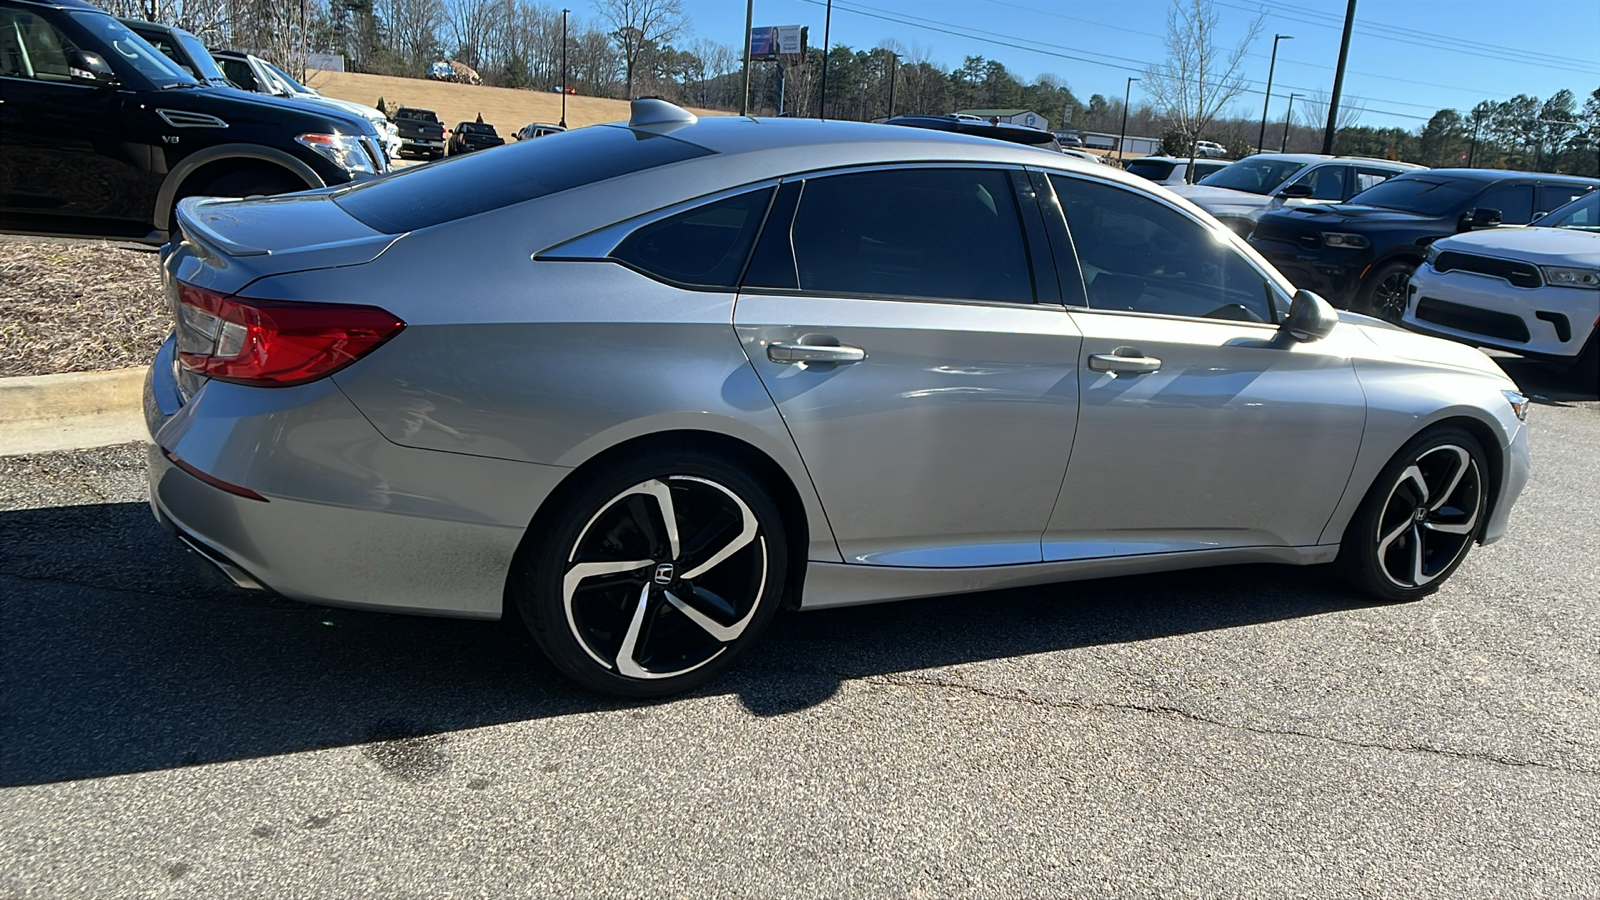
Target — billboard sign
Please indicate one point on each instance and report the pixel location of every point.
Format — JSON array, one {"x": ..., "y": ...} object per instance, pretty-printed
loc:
[{"x": 774, "y": 41}]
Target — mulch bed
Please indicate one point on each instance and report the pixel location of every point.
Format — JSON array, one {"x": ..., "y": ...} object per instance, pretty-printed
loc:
[{"x": 78, "y": 306}]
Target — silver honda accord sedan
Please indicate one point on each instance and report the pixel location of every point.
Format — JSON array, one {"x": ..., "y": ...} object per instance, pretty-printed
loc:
[{"x": 644, "y": 384}]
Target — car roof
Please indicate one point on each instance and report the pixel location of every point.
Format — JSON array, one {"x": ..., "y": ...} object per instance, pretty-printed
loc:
[
  {"x": 1487, "y": 175},
  {"x": 1323, "y": 157}
]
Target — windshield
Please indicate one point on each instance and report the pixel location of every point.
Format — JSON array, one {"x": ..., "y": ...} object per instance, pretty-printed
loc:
[
  {"x": 1153, "y": 169},
  {"x": 290, "y": 83},
  {"x": 202, "y": 57},
  {"x": 1582, "y": 214},
  {"x": 1426, "y": 195},
  {"x": 1254, "y": 176},
  {"x": 135, "y": 51}
]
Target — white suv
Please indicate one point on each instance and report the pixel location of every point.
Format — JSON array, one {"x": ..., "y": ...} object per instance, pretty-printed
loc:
[
  {"x": 1239, "y": 194},
  {"x": 1209, "y": 150},
  {"x": 1533, "y": 291}
]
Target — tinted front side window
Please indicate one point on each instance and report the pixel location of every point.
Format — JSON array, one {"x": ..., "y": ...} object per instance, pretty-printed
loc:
[
  {"x": 947, "y": 233},
  {"x": 1325, "y": 182},
  {"x": 475, "y": 183},
  {"x": 30, "y": 47},
  {"x": 1515, "y": 202},
  {"x": 704, "y": 247},
  {"x": 1141, "y": 256}
]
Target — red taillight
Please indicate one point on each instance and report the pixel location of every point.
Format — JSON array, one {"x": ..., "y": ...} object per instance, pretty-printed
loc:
[{"x": 268, "y": 343}]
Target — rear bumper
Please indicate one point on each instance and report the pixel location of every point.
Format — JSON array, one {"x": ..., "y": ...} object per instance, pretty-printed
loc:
[{"x": 349, "y": 519}]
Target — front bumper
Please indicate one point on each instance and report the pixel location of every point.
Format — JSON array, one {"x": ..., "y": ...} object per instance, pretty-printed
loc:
[
  {"x": 1547, "y": 322},
  {"x": 348, "y": 519},
  {"x": 1336, "y": 278}
]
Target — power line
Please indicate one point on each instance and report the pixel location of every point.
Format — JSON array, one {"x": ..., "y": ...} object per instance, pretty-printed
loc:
[{"x": 1126, "y": 64}]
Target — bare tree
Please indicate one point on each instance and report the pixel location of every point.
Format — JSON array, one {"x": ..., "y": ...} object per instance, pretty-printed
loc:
[
  {"x": 413, "y": 31},
  {"x": 1198, "y": 78},
  {"x": 639, "y": 26},
  {"x": 1312, "y": 111},
  {"x": 208, "y": 19}
]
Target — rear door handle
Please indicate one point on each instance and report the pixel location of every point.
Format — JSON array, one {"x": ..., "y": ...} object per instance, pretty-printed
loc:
[
  {"x": 1126, "y": 361},
  {"x": 820, "y": 353}
]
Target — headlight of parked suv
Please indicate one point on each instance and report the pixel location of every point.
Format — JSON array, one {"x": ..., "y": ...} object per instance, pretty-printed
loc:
[
  {"x": 1570, "y": 276},
  {"x": 1431, "y": 255},
  {"x": 1340, "y": 239},
  {"x": 343, "y": 150}
]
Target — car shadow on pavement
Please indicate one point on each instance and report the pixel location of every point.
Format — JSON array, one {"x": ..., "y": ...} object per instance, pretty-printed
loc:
[{"x": 122, "y": 655}]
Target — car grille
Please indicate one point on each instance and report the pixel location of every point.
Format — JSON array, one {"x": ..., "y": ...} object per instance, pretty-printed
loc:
[
  {"x": 1468, "y": 318},
  {"x": 380, "y": 159},
  {"x": 1520, "y": 274},
  {"x": 1309, "y": 238}
]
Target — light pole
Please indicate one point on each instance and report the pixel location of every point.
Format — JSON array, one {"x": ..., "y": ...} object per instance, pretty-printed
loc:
[
  {"x": 1288, "y": 117},
  {"x": 564, "y": 67},
  {"x": 894, "y": 75},
  {"x": 744, "y": 98},
  {"x": 1122, "y": 139},
  {"x": 827, "y": 26},
  {"x": 1262, "y": 140}
]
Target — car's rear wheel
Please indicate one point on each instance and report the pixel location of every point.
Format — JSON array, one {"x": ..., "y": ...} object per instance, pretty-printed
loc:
[
  {"x": 1419, "y": 518},
  {"x": 655, "y": 576},
  {"x": 1383, "y": 294}
]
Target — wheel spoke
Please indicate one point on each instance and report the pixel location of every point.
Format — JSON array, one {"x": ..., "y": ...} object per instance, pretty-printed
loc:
[
  {"x": 1463, "y": 462},
  {"x": 625, "y": 661},
  {"x": 723, "y": 633},
  {"x": 1391, "y": 537},
  {"x": 576, "y": 574},
  {"x": 1414, "y": 474},
  {"x": 1418, "y": 555},
  {"x": 747, "y": 533}
]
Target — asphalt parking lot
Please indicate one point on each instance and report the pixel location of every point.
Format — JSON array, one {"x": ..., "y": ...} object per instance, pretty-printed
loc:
[{"x": 1240, "y": 732}]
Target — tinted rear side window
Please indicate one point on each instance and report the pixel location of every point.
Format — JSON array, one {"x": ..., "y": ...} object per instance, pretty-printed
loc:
[
  {"x": 949, "y": 233},
  {"x": 704, "y": 247},
  {"x": 1151, "y": 169},
  {"x": 468, "y": 185}
]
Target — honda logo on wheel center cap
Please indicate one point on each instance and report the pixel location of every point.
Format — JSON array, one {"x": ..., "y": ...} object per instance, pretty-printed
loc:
[{"x": 664, "y": 573}]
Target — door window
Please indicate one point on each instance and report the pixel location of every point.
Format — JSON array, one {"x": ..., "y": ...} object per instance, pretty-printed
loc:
[
  {"x": 1370, "y": 177},
  {"x": 32, "y": 48},
  {"x": 1142, "y": 256},
  {"x": 1552, "y": 196},
  {"x": 704, "y": 247},
  {"x": 1325, "y": 182},
  {"x": 1515, "y": 202},
  {"x": 941, "y": 233}
]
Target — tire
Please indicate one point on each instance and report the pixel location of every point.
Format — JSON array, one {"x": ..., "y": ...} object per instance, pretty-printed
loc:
[
  {"x": 688, "y": 600},
  {"x": 1383, "y": 294},
  {"x": 1420, "y": 517}
]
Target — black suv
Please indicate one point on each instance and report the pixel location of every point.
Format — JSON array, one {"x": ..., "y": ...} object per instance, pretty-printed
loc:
[
  {"x": 101, "y": 134},
  {"x": 1359, "y": 255}
]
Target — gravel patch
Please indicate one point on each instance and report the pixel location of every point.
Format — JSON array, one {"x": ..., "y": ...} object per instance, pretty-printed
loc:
[{"x": 78, "y": 306}]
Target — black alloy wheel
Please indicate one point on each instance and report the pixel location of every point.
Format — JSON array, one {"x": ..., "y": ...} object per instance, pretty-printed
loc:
[
  {"x": 1386, "y": 291},
  {"x": 654, "y": 578},
  {"x": 1420, "y": 517}
]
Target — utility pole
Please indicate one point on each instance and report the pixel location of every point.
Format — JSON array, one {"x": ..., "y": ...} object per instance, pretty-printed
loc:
[
  {"x": 1338, "y": 79},
  {"x": 744, "y": 98},
  {"x": 894, "y": 75},
  {"x": 1261, "y": 142},
  {"x": 1122, "y": 139},
  {"x": 1288, "y": 117},
  {"x": 564, "y": 67},
  {"x": 827, "y": 26}
]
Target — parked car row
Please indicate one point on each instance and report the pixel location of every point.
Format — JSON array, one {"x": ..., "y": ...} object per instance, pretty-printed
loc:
[{"x": 102, "y": 134}]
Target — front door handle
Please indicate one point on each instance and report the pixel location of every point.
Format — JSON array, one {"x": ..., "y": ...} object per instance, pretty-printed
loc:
[
  {"x": 817, "y": 353},
  {"x": 1125, "y": 361}
]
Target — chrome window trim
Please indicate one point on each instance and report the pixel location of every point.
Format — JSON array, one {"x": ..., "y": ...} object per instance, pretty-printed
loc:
[
  {"x": 598, "y": 245},
  {"x": 1283, "y": 289}
]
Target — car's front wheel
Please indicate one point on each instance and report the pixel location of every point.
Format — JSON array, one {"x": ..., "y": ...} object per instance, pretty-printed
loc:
[
  {"x": 1419, "y": 518},
  {"x": 655, "y": 576},
  {"x": 1384, "y": 293}
]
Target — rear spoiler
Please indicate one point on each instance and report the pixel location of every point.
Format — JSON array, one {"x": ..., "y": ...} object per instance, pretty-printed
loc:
[{"x": 192, "y": 223}]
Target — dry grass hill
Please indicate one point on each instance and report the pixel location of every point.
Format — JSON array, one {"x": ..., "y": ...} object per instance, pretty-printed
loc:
[{"x": 504, "y": 108}]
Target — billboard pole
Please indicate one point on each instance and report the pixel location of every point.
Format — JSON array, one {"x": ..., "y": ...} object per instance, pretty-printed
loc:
[{"x": 744, "y": 99}]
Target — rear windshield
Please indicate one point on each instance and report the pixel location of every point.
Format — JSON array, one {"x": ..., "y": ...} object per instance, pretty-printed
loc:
[
  {"x": 1426, "y": 195},
  {"x": 1255, "y": 176},
  {"x": 421, "y": 115},
  {"x": 467, "y": 185},
  {"x": 474, "y": 128},
  {"x": 1154, "y": 170}
]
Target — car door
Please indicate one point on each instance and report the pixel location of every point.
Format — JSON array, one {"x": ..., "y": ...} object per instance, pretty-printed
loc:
[
  {"x": 1199, "y": 426},
  {"x": 907, "y": 323},
  {"x": 1514, "y": 200}
]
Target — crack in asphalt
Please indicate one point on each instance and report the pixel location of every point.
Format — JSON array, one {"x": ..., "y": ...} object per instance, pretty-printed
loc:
[{"x": 1172, "y": 711}]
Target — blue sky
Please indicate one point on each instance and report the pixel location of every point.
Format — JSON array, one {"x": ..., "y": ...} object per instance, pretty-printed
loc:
[{"x": 1407, "y": 59}]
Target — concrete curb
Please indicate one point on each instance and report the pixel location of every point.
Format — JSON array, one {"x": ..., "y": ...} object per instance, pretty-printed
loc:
[{"x": 73, "y": 411}]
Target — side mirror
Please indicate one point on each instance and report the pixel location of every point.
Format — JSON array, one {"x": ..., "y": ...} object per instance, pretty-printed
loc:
[
  {"x": 1539, "y": 215},
  {"x": 84, "y": 67},
  {"x": 1310, "y": 318},
  {"x": 1480, "y": 217},
  {"x": 1295, "y": 192}
]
